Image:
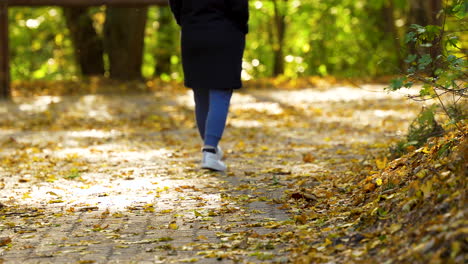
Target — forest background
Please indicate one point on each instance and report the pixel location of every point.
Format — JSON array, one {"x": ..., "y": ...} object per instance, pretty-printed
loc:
[{"x": 290, "y": 38}]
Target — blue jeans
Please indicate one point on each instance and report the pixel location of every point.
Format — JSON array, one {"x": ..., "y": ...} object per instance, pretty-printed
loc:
[{"x": 211, "y": 110}]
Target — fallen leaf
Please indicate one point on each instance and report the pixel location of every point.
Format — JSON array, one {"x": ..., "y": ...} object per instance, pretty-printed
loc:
[
  {"x": 369, "y": 187},
  {"x": 5, "y": 241},
  {"x": 308, "y": 158}
]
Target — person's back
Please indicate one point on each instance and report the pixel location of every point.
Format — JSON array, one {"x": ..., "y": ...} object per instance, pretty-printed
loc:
[{"x": 212, "y": 14}]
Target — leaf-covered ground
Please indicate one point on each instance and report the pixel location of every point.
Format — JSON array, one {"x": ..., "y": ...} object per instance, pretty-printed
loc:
[{"x": 115, "y": 179}]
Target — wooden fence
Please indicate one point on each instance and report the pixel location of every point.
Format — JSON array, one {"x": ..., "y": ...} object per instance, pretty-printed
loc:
[{"x": 5, "y": 91}]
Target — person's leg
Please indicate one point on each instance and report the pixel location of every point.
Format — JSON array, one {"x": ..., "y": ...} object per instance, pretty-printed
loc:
[
  {"x": 217, "y": 116},
  {"x": 202, "y": 105}
]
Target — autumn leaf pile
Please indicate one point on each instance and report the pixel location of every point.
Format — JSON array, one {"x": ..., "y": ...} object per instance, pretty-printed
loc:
[{"x": 411, "y": 211}]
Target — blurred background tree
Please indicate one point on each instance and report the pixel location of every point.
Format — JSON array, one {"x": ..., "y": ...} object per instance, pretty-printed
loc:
[
  {"x": 88, "y": 45},
  {"x": 291, "y": 38},
  {"x": 124, "y": 34}
]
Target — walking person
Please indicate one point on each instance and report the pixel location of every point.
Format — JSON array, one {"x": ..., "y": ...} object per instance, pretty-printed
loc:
[{"x": 213, "y": 43}]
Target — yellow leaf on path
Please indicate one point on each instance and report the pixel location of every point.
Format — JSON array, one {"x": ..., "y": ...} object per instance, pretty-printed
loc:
[
  {"x": 173, "y": 226},
  {"x": 381, "y": 163},
  {"x": 55, "y": 201},
  {"x": 117, "y": 215},
  {"x": 149, "y": 208},
  {"x": 197, "y": 213},
  {"x": 394, "y": 228},
  {"x": 369, "y": 187},
  {"x": 423, "y": 150},
  {"x": 301, "y": 182},
  {"x": 327, "y": 242},
  {"x": 308, "y": 158},
  {"x": 51, "y": 178},
  {"x": 202, "y": 237},
  {"x": 240, "y": 145},
  {"x": 378, "y": 182},
  {"x": 188, "y": 260},
  {"x": 340, "y": 247}
]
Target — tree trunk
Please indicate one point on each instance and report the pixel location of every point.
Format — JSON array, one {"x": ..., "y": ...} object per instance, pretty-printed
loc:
[
  {"x": 425, "y": 12},
  {"x": 278, "y": 48},
  {"x": 5, "y": 92},
  {"x": 165, "y": 42},
  {"x": 88, "y": 45},
  {"x": 124, "y": 32},
  {"x": 389, "y": 27}
]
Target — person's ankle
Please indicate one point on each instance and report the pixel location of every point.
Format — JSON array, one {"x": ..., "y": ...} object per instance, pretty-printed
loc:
[{"x": 208, "y": 148}]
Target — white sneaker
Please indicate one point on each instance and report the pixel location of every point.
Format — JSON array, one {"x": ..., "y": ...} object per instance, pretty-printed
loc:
[
  {"x": 212, "y": 161},
  {"x": 220, "y": 153}
]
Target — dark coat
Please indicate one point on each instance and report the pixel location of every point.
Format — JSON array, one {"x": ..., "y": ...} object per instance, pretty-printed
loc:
[{"x": 213, "y": 41}]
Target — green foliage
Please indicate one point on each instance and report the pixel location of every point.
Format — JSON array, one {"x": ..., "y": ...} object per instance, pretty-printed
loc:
[
  {"x": 424, "y": 127},
  {"x": 457, "y": 112},
  {"x": 347, "y": 38},
  {"x": 439, "y": 63},
  {"x": 438, "y": 60},
  {"x": 158, "y": 45},
  {"x": 342, "y": 38},
  {"x": 420, "y": 130},
  {"x": 40, "y": 45}
]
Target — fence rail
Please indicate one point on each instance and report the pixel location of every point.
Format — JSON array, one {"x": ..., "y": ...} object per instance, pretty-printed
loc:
[
  {"x": 5, "y": 91},
  {"x": 84, "y": 2}
]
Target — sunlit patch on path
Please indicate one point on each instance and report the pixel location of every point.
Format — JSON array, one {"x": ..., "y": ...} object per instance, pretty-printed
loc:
[{"x": 116, "y": 180}]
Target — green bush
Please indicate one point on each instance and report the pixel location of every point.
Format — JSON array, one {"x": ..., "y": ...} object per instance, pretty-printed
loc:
[{"x": 439, "y": 63}]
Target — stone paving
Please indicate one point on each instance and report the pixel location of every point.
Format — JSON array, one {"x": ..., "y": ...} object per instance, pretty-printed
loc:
[
  {"x": 138, "y": 196},
  {"x": 144, "y": 217}
]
